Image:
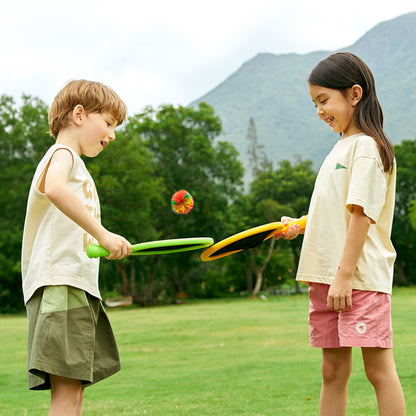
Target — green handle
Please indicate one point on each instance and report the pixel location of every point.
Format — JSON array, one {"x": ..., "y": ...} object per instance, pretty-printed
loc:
[{"x": 94, "y": 250}]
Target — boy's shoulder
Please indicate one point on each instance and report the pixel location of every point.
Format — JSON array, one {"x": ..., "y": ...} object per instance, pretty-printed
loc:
[{"x": 57, "y": 146}]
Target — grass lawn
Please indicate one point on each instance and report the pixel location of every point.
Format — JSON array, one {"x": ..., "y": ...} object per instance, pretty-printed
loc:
[{"x": 224, "y": 358}]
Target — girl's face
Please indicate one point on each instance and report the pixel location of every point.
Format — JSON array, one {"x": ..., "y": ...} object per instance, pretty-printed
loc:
[{"x": 337, "y": 109}]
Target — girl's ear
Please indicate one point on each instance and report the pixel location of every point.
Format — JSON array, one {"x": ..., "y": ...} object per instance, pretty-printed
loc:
[
  {"x": 356, "y": 94},
  {"x": 78, "y": 113}
]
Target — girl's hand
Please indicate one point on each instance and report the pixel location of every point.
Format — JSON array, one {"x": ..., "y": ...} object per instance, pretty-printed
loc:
[
  {"x": 292, "y": 232},
  {"x": 340, "y": 292}
]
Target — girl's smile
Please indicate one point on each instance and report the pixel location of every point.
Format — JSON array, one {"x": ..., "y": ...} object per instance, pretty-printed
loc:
[{"x": 336, "y": 108}]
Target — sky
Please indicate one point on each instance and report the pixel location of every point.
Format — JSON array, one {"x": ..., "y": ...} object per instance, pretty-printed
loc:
[{"x": 154, "y": 52}]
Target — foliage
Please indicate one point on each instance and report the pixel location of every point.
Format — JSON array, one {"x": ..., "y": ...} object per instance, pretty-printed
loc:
[
  {"x": 284, "y": 191},
  {"x": 157, "y": 153},
  {"x": 128, "y": 189},
  {"x": 184, "y": 155},
  {"x": 403, "y": 234},
  {"x": 257, "y": 157},
  {"x": 23, "y": 139}
]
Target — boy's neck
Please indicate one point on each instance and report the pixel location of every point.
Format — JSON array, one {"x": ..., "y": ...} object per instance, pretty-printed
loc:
[{"x": 66, "y": 138}]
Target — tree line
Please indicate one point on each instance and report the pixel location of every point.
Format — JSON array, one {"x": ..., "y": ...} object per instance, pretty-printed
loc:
[{"x": 156, "y": 153}]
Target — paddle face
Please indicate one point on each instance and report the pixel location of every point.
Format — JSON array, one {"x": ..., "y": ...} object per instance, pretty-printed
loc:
[
  {"x": 247, "y": 239},
  {"x": 156, "y": 247}
]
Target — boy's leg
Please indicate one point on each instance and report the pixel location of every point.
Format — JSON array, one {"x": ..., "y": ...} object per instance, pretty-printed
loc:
[
  {"x": 381, "y": 372},
  {"x": 66, "y": 396},
  {"x": 336, "y": 370}
]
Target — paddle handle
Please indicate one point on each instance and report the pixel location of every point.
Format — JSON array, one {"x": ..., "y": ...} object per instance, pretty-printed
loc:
[
  {"x": 94, "y": 250},
  {"x": 298, "y": 221}
]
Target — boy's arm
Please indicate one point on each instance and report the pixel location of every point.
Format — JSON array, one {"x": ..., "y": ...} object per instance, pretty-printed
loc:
[
  {"x": 340, "y": 291},
  {"x": 57, "y": 190}
]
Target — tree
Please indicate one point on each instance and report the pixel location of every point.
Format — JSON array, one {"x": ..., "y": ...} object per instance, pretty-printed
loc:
[
  {"x": 23, "y": 140},
  {"x": 246, "y": 213},
  {"x": 256, "y": 156},
  {"x": 186, "y": 156},
  {"x": 128, "y": 189},
  {"x": 284, "y": 191},
  {"x": 403, "y": 235}
]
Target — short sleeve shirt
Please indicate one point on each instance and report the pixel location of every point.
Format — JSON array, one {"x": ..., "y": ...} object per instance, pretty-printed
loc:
[{"x": 352, "y": 174}]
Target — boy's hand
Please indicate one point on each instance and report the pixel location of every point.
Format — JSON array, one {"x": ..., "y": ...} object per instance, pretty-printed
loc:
[
  {"x": 292, "y": 232},
  {"x": 117, "y": 245}
]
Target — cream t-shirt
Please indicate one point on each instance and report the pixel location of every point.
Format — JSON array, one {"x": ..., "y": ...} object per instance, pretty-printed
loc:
[
  {"x": 53, "y": 248},
  {"x": 352, "y": 174}
]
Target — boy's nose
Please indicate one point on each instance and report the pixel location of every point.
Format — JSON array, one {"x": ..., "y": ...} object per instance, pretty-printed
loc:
[{"x": 112, "y": 134}]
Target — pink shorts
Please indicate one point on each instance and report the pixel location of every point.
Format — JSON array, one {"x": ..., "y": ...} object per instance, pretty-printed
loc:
[{"x": 367, "y": 324}]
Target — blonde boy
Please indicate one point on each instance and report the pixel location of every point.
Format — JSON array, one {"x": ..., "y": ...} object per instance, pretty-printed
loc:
[{"x": 70, "y": 340}]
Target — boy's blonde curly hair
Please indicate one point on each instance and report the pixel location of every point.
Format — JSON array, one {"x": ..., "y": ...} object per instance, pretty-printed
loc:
[{"x": 93, "y": 96}]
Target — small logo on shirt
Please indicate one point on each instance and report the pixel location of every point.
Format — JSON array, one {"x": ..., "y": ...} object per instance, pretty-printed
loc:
[
  {"x": 339, "y": 166},
  {"x": 361, "y": 327}
]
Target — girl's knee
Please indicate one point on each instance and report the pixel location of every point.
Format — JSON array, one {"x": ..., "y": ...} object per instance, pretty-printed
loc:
[
  {"x": 379, "y": 366},
  {"x": 336, "y": 371},
  {"x": 377, "y": 376}
]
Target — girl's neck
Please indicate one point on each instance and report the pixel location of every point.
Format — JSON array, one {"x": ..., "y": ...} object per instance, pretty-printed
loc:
[{"x": 351, "y": 133}]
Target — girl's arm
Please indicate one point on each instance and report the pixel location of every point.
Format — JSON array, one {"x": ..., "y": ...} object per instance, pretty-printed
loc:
[
  {"x": 292, "y": 232},
  {"x": 58, "y": 192},
  {"x": 340, "y": 291}
]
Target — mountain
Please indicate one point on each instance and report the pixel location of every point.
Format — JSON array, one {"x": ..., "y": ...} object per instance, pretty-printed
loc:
[{"x": 272, "y": 89}]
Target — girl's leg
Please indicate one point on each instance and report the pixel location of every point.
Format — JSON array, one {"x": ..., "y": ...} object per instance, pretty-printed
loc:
[
  {"x": 336, "y": 370},
  {"x": 381, "y": 372},
  {"x": 66, "y": 396}
]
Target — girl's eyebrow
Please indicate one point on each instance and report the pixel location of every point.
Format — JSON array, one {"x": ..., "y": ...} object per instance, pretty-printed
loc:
[{"x": 318, "y": 97}]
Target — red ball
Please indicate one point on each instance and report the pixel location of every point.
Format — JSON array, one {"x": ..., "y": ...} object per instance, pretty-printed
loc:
[{"x": 182, "y": 202}]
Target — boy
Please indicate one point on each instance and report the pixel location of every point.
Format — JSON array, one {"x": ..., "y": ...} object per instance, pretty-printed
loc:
[{"x": 70, "y": 340}]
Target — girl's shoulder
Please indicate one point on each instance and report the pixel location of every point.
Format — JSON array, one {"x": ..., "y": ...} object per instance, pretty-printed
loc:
[{"x": 366, "y": 146}]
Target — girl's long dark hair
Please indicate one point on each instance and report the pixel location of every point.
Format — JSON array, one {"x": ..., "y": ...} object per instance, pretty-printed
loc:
[{"x": 342, "y": 70}]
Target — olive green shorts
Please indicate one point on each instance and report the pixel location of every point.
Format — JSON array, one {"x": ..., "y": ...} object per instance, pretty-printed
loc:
[{"x": 69, "y": 335}]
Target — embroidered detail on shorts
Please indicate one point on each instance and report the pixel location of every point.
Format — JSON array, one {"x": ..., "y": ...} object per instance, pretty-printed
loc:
[{"x": 361, "y": 327}]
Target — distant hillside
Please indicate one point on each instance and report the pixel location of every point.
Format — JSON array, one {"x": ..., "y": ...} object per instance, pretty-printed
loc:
[{"x": 272, "y": 90}]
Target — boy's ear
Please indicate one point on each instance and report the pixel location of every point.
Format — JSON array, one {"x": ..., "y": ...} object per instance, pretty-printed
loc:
[
  {"x": 78, "y": 113},
  {"x": 356, "y": 94}
]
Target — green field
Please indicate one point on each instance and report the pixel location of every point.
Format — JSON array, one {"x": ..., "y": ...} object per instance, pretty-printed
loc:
[{"x": 223, "y": 358}]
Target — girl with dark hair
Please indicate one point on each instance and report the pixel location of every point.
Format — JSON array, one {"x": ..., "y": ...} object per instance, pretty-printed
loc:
[{"x": 347, "y": 256}]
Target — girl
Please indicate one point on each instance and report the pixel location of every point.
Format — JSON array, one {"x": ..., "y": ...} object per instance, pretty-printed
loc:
[{"x": 347, "y": 257}]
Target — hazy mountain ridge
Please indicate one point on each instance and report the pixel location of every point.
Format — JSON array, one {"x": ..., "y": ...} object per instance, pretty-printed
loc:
[{"x": 273, "y": 90}]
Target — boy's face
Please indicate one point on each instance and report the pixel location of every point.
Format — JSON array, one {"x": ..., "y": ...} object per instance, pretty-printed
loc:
[{"x": 98, "y": 130}]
